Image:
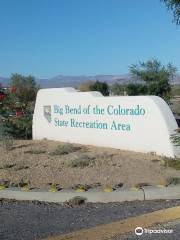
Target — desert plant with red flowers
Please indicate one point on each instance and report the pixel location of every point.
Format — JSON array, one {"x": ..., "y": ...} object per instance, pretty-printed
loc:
[{"x": 16, "y": 107}]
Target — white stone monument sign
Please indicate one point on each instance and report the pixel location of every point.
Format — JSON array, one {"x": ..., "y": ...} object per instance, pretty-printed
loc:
[{"x": 136, "y": 123}]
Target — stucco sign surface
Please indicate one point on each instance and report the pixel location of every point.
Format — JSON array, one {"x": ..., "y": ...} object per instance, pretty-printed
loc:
[{"x": 139, "y": 123}]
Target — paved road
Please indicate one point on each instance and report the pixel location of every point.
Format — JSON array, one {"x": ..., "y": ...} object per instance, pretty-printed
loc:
[{"x": 33, "y": 220}]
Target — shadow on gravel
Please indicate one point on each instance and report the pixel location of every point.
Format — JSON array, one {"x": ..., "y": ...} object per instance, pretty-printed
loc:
[{"x": 29, "y": 220}]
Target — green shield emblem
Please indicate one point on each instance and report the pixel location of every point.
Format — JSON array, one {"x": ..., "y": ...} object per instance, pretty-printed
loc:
[{"x": 47, "y": 113}]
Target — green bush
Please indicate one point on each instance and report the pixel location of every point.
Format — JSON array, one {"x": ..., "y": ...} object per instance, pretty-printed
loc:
[
  {"x": 19, "y": 128},
  {"x": 155, "y": 78},
  {"x": 175, "y": 138},
  {"x": 134, "y": 89},
  {"x": 101, "y": 87},
  {"x": 17, "y": 107}
]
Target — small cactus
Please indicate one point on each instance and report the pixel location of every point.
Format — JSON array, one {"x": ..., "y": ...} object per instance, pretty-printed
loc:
[
  {"x": 2, "y": 187},
  {"x": 53, "y": 187},
  {"x": 108, "y": 189},
  {"x": 24, "y": 185},
  {"x": 4, "y": 184},
  {"x": 26, "y": 188},
  {"x": 81, "y": 188}
]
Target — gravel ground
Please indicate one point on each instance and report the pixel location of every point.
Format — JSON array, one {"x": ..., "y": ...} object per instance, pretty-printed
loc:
[
  {"x": 22, "y": 220},
  {"x": 32, "y": 161},
  {"x": 175, "y": 235}
]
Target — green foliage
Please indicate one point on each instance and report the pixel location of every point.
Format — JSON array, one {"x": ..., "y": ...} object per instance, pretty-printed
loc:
[
  {"x": 155, "y": 79},
  {"x": 161, "y": 89},
  {"x": 20, "y": 128},
  {"x": 175, "y": 138},
  {"x": 100, "y": 87},
  {"x": 118, "y": 89},
  {"x": 136, "y": 89},
  {"x": 152, "y": 71},
  {"x": 17, "y": 107},
  {"x": 174, "y": 6},
  {"x": 25, "y": 87}
]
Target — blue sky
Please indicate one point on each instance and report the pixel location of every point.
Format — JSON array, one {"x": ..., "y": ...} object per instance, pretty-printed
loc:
[{"x": 46, "y": 38}]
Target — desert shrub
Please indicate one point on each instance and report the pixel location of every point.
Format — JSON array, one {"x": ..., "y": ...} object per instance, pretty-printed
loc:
[
  {"x": 134, "y": 89},
  {"x": 172, "y": 163},
  {"x": 173, "y": 180},
  {"x": 175, "y": 138},
  {"x": 154, "y": 78},
  {"x": 34, "y": 151},
  {"x": 54, "y": 187},
  {"x": 140, "y": 185},
  {"x": 23, "y": 183},
  {"x": 4, "y": 182},
  {"x": 101, "y": 87},
  {"x": 21, "y": 167},
  {"x": 155, "y": 160},
  {"x": 117, "y": 186},
  {"x": 76, "y": 201},
  {"x": 2, "y": 130},
  {"x": 64, "y": 149},
  {"x": 7, "y": 166},
  {"x": 81, "y": 186},
  {"x": 17, "y": 107},
  {"x": 7, "y": 142},
  {"x": 13, "y": 184},
  {"x": 19, "y": 128},
  {"x": 82, "y": 161},
  {"x": 85, "y": 86}
]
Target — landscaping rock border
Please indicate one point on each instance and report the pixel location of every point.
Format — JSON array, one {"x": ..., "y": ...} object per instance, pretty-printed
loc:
[{"x": 94, "y": 195}]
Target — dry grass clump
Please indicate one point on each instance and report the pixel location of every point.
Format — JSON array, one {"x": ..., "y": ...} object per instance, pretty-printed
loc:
[
  {"x": 140, "y": 185},
  {"x": 7, "y": 143},
  {"x": 35, "y": 151},
  {"x": 64, "y": 149},
  {"x": 82, "y": 161},
  {"x": 4, "y": 182},
  {"x": 20, "y": 167},
  {"x": 7, "y": 166},
  {"x": 76, "y": 201},
  {"x": 173, "y": 181},
  {"x": 172, "y": 163}
]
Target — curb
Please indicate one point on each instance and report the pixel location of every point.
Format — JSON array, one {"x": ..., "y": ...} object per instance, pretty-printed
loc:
[{"x": 93, "y": 195}]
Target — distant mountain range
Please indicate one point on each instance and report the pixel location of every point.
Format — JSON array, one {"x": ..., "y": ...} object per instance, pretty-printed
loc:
[{"x": 74, "y": 81}]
